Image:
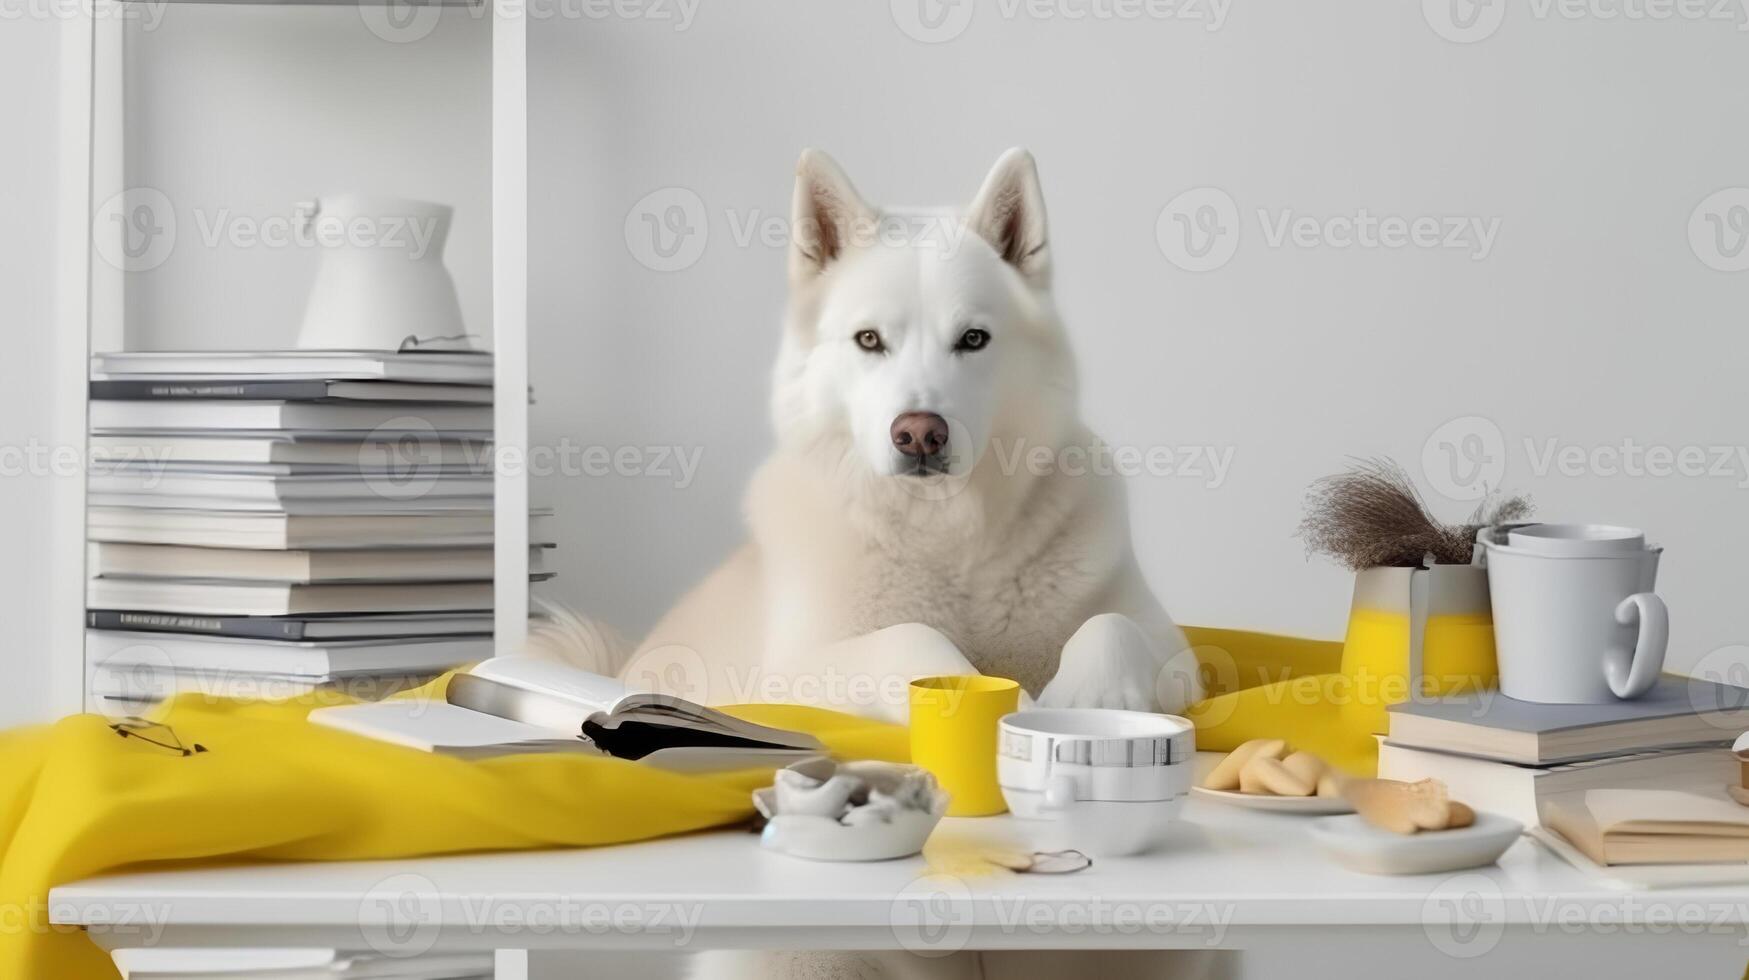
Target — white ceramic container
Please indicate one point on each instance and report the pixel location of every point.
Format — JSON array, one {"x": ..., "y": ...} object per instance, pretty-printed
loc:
[
  {"x": 1104, "y": 781},
  {"x": 380, "y": 278},
  {"x": 1575, "y": 618}
]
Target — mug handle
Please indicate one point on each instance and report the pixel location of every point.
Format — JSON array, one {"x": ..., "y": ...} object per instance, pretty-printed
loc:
[{"x": 1632, "y": 673}]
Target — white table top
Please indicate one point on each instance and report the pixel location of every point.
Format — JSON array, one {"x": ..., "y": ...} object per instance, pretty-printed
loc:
[{"x": 1226, "y": 875}]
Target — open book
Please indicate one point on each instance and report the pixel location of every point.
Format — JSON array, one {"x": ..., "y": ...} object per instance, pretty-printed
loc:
[
  {"x": 1652, "y": 826},
  {"x": 521, "y": 704}
]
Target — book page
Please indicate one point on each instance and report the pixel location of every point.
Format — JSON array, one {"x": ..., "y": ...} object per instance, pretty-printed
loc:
[
  {"x": 1698, "y": 810},
  {"x": 592, "y": 692},
  {"x": 428, "y": 725}
]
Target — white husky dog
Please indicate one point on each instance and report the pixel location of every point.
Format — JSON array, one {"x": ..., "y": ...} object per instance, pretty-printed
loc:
[{"x": 929, "y": 508}]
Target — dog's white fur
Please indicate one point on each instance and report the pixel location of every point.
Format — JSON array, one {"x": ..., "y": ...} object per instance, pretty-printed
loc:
[{"x": 857, "y": 576}]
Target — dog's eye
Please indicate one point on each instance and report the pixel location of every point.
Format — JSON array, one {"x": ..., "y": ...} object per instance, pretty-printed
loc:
[
  {"x": 973, "y": 339},
  {"x": 870, "y": 340}
]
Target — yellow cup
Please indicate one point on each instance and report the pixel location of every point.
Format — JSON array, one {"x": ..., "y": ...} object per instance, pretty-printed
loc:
[{"x": 953, "y": 735}]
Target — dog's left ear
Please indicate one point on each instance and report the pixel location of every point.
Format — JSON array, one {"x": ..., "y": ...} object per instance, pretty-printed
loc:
[{"x": 1009, "y": 213}]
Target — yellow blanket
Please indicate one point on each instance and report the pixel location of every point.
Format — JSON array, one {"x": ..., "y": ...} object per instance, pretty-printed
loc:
[{"x": 78, "y": 799}]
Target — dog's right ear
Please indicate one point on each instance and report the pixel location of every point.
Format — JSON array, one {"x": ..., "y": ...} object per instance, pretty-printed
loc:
[{"x": 825, "y": 216}]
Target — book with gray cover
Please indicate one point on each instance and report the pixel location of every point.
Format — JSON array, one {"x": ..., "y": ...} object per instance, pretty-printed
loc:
[{"x": 1679, "y": 711}]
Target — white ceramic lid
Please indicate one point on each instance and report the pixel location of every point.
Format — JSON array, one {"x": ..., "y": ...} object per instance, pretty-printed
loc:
[{"x": 1569, "y": 540}]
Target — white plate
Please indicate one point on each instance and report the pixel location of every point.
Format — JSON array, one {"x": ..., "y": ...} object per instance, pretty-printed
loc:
[
  {"x": 1359, "y": 846},
  {"x": 1309, "y": 806}
]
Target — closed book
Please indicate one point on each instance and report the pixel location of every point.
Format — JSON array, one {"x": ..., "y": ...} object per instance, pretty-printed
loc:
[
  {"x": 389, "y": 502},
  {"x": 1517, "y": 791},
  {"x": 215, "y": 597},
  {"x": 157, "y": 450},
  {"x": 119, "y": 560},
  {"x": 302, "y": 390},
  {"x": 453, "y": 367},
  {"x": 274, "y": 489},
  {"x": 266, "y": 416},
  {"x": 172, "y": 653},
  {"x": 272, "y": 529},
  {"x": 1652, "y": 826},
  {"x": 1678, "y": 711},
  {"x": 357, "y": 626},
  {"x": 137, "y": 686}
]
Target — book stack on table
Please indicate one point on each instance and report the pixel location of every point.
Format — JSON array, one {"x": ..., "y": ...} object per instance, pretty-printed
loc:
[
  {"x": 269, "y": 524},
  {"x": 1655, "y": 769}
]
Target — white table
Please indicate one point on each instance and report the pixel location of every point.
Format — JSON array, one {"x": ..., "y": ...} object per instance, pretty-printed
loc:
[{"x": 1228, "y": 879}]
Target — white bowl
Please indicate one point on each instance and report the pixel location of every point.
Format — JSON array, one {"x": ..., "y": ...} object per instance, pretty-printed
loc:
[
  {"x": 1098, "y": 828},
  {"x": 1102, "y": 781},
  {"x": 1359, "y": 846}
]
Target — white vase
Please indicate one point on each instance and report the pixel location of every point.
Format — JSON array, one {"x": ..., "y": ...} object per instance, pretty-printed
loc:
[{"x": 380, "y": 279}]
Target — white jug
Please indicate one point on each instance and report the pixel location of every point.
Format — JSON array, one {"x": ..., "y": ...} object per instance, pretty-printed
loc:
[
  {"x": 380, "y": 280},
  {"x": 1575, "y": 618}
]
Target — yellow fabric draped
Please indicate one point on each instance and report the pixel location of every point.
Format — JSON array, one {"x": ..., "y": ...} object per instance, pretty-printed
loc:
[
  {"x": 77, "y": 799},
  {"x": 1266, "y": 686}
]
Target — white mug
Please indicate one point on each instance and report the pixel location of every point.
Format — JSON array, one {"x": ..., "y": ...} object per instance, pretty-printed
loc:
[{"x": 1575, "y": 618}]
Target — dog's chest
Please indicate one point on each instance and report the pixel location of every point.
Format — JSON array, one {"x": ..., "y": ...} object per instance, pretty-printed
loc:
[{"x": 1010, "y": 615}]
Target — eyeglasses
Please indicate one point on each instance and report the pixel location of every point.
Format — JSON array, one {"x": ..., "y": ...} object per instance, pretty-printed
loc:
[{"x": 154, "y": 733}]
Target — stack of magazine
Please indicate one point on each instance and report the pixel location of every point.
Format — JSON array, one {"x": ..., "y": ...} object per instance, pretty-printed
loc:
[{"x": 268, "y": 524}]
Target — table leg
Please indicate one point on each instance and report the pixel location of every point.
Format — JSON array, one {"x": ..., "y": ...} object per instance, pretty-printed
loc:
[{"x": 510, "y": 964}]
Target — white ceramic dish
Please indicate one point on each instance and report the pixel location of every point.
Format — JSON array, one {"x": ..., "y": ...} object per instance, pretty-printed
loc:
[
  {"x": 1359, "y": 846},
  {"x": 824, "y": 839},
  {"x": 816, "y": 810},
  {"x": 1108, "y": 782},
  {"x": 1307, "y": 806}
]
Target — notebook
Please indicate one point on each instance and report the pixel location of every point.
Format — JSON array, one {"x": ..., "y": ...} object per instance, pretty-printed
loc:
[
  {"x": 514, "y": 705},
  {"x": 1679, "y": 711},
  {"x": 1700, "y": 825}
]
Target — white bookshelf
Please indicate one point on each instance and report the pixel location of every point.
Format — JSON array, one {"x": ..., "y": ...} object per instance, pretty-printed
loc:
[{"x": 92, "y": 312}]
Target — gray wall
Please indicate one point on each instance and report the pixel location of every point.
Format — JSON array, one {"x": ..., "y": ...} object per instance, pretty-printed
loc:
[
  {"x": 1590, "y": 322},
  {"x": 1585, "y": 146}
]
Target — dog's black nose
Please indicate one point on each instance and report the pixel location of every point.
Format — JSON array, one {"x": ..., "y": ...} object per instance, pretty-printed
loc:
[{"x": 920, "y": 434}]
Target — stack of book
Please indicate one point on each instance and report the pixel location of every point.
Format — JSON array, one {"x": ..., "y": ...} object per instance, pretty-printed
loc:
[
  {"x": 269, "y": 524},
  {"x": 1546, "y": 764}
]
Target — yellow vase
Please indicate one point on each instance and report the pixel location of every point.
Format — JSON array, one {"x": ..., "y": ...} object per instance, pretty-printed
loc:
[{"x": 1457, "y": 654}]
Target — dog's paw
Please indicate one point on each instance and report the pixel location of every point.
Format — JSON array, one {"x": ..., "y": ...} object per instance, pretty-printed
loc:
[{"x": 1108, "y": 663}]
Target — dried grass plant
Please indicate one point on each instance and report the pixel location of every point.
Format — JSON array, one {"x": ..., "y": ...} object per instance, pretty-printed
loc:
[{"x": 1373, "y": 515}]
